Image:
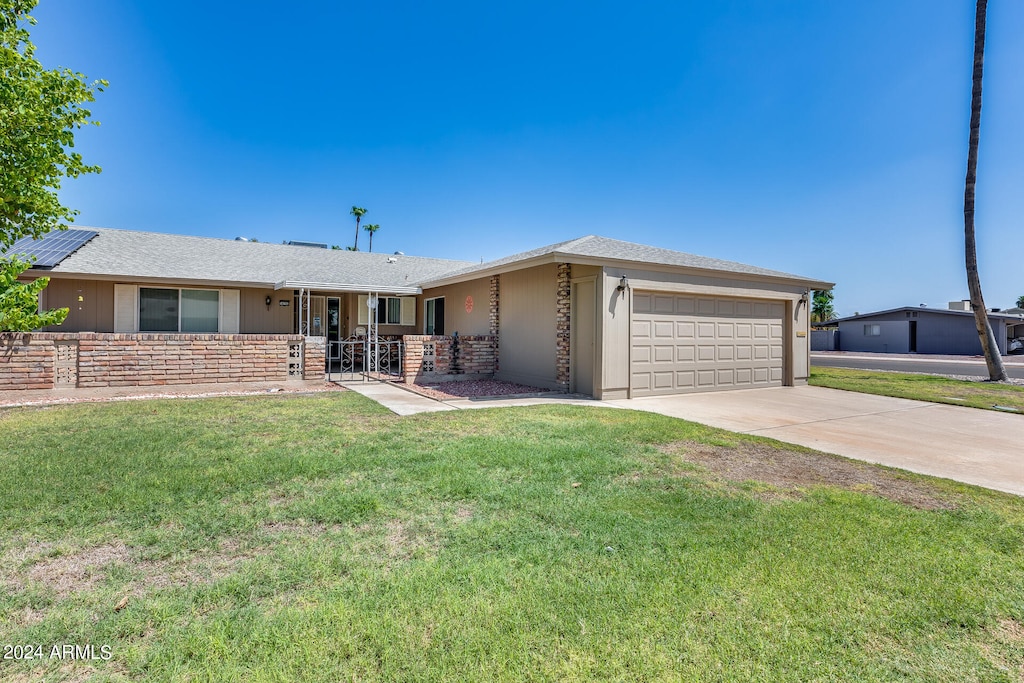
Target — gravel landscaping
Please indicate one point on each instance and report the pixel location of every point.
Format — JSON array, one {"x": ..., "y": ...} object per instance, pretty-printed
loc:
[{"x": 481, "y": 388}]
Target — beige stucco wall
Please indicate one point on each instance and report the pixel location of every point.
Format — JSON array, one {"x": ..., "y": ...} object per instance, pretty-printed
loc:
[
  {"x": 95, "y": 311},
  {"x": 527, "y": 344},
  {"x": 616, "y": 312},
  {"x": 255, "y": 318},
  {"x": 456, "y": 318}
]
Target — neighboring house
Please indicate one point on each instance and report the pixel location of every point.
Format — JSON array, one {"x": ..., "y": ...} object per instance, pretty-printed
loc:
[
  {"x": 592, "y": 315},
  {"x": 924, "y": 330}
]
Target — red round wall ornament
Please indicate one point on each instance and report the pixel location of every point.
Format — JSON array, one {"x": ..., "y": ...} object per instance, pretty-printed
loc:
[{"x": 469, "y": 304}]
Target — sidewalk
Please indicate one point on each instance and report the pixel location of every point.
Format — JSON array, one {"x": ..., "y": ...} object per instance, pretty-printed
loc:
[{"x": 404, "y": 402}]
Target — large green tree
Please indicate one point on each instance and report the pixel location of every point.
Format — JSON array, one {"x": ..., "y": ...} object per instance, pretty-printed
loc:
[
  {"x": 1020, "y": 302},
  {"x": 996, "y": 371},
  {"x": 40, "y": 109},
  {"x": 19, "y": 301}
]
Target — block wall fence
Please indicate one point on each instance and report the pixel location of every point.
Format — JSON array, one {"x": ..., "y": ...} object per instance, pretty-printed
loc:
[{"x": 47, "y": 360}]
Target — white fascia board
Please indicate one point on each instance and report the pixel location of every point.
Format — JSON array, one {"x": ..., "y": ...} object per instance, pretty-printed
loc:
[{"x": 346, "y": 287}]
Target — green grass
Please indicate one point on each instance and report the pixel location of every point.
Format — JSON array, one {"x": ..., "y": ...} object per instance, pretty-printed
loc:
[
  {"x": 321, "y": 538},
  {"x": 955, "y": 392}
]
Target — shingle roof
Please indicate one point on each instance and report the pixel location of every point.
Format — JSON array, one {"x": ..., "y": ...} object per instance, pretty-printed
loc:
[
  {"x": 596, "y": 247},
  {"x": 921, "y": 309},
  {"x": 153, "y": 256},
  {"x": 130, "y": 254}
]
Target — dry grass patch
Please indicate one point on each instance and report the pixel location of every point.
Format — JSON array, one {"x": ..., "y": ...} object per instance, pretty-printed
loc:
[
  {"x": 79, "y": 571},
  {"x": 792, "y": 470}
]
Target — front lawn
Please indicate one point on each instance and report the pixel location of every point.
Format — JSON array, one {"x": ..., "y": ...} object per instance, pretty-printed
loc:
[
  {"x": 988, "y": 395},
  {"x": 321, "y": 538}
]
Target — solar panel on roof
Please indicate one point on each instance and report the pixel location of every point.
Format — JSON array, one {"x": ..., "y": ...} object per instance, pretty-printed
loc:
[{"x": 51, "y": 248}]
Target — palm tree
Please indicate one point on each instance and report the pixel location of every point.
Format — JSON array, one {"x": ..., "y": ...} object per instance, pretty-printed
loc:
[
  {"x": 821, "y": 307},
  {"x": 371, "y": 228},
  {"x": 358, "y": 212},
  {"x": 996, "y": 371},
  {"x": 1020, "y": 302}
]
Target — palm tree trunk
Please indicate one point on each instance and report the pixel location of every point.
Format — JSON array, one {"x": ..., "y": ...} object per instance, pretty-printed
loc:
[
  {"x": 355, "y": 245},
  {"x": 371, "y": 242},
  {"x": 996, "y": 371}
]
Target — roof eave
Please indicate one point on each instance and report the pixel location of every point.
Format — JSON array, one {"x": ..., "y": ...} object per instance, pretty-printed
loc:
[
  {"x": 561, "y": 257},
  {"x": 347, "y": 287}
]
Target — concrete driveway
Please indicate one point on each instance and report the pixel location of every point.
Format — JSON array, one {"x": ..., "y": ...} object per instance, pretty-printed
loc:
[{"x": 980, "y": 447}]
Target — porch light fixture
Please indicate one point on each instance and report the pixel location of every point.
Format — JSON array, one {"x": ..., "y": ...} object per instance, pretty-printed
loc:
[
  {"x": 270, "y": 300},
  {"x": 622, "y": 285}
]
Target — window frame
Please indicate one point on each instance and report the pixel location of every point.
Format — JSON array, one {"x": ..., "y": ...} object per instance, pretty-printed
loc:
[
  {"x": 430, "y": 320},
  {"x": 384, "y": 308},
  {"x": 179, "y": 291},
  {"x": 872, "y": 330}
]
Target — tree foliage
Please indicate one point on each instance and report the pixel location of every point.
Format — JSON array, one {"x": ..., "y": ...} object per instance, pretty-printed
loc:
[
  {"x": 822, "y": 309},
  {"x": 40, "y": 109},
  {"x": 371, "y": 228},
  {"x": 1020, "y": 302},
  {"x": 19, "y": 301},
  {"x": 358, "y": 212}
]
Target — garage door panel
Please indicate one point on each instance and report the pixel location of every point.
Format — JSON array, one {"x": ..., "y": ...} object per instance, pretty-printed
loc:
[
  {"x": 686, "y": 354},
  {"x": 664, "y": 304},
  {"x": 663, "y": 380},
  {"x": 685, "y": 343},
  {"x": 664, "y": 329}
]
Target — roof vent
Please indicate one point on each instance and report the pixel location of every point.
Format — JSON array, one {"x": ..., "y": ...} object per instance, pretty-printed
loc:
[
  {"x": 241, "y": 239},
  {"x": 316, "y": 245},
  {"x": 399, "y": 253},
  {"x": 392, "y": 259}
]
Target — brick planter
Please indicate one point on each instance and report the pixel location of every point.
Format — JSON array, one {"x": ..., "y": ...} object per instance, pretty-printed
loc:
[{"x": 441, "y": 358}]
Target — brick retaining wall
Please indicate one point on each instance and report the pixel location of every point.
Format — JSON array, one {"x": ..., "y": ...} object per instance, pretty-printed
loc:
[
  {"x": 428, "y": 358},
  {"x": 44, "y": 360}
]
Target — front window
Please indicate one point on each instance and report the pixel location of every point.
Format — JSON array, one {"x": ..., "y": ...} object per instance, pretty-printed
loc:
[
  {"x": 178, "y": 310},
  {"x": 389, "y": 310},
  {"x": 872, "y": 330}
]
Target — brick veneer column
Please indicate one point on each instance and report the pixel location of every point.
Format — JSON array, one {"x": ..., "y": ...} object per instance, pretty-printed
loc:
[
  {"x": 495, "y": 315},
  {"x": 562, "y": 325}
]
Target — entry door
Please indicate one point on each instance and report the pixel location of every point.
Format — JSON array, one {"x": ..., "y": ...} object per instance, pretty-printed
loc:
[{"x": 582, "y": 330}]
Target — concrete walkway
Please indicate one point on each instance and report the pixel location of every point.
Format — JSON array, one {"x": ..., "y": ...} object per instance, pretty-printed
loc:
[
  {"x": 965, "y": 444},
  {"x": 404, "y": 402}
]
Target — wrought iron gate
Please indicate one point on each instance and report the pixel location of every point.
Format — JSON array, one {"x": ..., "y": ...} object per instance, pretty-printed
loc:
[{"x": 359, "y": 357}]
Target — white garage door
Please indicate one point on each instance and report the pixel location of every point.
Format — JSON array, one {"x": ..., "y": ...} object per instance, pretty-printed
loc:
[{"x": 684, "y": 343}]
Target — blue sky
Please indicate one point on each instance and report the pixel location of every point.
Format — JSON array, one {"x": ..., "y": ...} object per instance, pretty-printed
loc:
[{"x": 827, "y": 139}]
